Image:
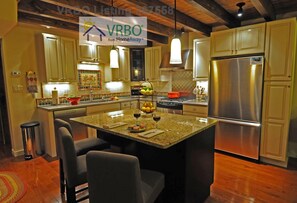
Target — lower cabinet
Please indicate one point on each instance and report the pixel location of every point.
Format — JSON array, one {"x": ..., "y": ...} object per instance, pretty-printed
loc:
[
  {"x": 275, "y": 120},
  {"x": 195, "y": 110}
]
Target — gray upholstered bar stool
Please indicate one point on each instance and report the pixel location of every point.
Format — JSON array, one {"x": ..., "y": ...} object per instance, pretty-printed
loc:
[
  {"x": 114, "y": 178},
  {"x": 81, "y": 147}
]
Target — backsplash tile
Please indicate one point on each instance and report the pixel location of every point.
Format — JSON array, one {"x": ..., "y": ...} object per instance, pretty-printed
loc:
[{"x": 183, "y": 81}]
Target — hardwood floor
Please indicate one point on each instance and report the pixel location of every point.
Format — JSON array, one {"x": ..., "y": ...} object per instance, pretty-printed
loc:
[{"x": 236, "y": 181}]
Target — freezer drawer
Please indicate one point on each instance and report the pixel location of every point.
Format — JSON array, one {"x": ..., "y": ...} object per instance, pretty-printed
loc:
[{"x": 238, "y": 138}]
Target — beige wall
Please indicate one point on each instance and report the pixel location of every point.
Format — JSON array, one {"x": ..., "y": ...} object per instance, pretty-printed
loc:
[
  {"x": 8, "y": 16},
  {"x": 19, "y": 54}
]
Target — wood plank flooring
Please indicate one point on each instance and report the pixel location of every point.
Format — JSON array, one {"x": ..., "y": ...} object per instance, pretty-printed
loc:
[{"x": 236, "y": 181}]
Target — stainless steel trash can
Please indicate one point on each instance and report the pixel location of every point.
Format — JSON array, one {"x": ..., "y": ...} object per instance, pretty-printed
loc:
[{"x": 31, "y": 139}]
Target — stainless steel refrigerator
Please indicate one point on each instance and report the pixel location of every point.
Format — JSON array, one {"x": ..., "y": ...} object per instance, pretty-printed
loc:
[{"x": 235, "y": 99}]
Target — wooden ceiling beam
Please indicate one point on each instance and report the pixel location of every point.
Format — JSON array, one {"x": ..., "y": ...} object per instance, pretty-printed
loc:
[
  {"x": 217, "y": 12},
  {"x": 181, "y": 18},
  {"x": 44, "y": 21},
  {"x": 265, "y": 8},
  {"x": 81, "y": 8},
  {"x": 52, "y": 18}
]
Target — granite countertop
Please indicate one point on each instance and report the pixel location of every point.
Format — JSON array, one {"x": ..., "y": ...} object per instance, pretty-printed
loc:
[
  {"x": 84, "y": 104},
  {"x": 176, "y": 127},
  {"x": 94, "y": 103},
  {"x": 196, "y": 102}
]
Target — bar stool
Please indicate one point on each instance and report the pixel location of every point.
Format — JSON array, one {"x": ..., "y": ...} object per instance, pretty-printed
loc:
[{"x": 31, "y": 140}]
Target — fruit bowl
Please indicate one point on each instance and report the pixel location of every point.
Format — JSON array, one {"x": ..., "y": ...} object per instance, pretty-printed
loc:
[{"x": 73, "y": 100}]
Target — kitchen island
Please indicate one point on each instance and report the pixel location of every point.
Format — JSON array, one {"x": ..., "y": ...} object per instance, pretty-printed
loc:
[{"x": 184, "y": 152}]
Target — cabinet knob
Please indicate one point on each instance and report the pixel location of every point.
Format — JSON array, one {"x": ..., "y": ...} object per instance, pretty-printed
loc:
[{"x": 289, "y": 76}]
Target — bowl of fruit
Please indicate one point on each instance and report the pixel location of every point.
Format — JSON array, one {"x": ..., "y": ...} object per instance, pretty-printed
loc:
[
  {"x": 137, "y": 128},
  {"x": 146, "y": 91},
  {"x": 148, "y": 107}
]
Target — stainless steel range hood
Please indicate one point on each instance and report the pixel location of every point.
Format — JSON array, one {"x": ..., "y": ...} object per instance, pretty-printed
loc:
[{"x": 187, "y": 61}]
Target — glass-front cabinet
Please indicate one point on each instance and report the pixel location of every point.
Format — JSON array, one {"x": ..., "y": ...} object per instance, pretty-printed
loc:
[{"x": 137, "y": 70}]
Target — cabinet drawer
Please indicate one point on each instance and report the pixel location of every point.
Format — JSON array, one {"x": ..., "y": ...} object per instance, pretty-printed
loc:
[
  {"x": 125, "y": 105},
  {"x": 195, "y": 110}
]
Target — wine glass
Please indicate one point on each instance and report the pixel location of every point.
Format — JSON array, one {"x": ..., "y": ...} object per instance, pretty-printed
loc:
[
  {"x": 156, "y": 118},
  {"x": 136, "y": 115}
]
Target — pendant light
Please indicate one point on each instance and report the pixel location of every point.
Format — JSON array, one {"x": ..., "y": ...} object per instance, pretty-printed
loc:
[
  {"x": 175, "y": 51},
  {"x": 113, "y": 55},
  {"x": 240, "y": 10}
]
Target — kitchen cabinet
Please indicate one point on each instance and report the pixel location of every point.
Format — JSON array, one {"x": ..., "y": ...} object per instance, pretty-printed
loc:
[
  {"x": 129, "y": 105},
  {"x": 152, "y": 63},
  {"x": 94, "y": 53},
  {"x": 137, "y": 69},
  {"x": 238, "y": 41},
  {"x": 279, "y": 51},
  {"x": 60, "y": 58},
  {"x": 195, "y": 110},
  {"x": 275, "y": 120},
  {"x": 87, "y": 52},
  {"x": 201, "y": 59},
  {"x": 123, "y": 72},
  {"x": 102, "y": 53}
]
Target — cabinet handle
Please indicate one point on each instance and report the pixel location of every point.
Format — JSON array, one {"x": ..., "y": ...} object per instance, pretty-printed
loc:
[
  {"x": 289, "y": 76},
  {"x": 289, "y": 86}
]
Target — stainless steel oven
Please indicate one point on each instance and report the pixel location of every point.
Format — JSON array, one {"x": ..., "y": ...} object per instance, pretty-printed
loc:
[{"x": 170, "y": 106}]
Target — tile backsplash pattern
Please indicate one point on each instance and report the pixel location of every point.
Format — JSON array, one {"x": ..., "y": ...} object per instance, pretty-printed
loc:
[{"x": 183, "y": 81}]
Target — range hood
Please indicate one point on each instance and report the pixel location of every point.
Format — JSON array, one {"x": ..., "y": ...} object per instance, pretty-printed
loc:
[{"x": 187, "y": 61}]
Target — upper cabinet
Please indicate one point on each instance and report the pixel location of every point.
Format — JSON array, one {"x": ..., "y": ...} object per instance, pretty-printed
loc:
[
  {"x": 123, "y": 72},
  {"x": 279, "y": 51},
  {"x": 60, "y": 58},
  {"x": 243, "y": 40},
  {"x": 152, "y": 63},
  {"x": 93, "y": 53},
  {"x": 201, "y": 59},
  {"x": 87, "y": 52},
  {"x": 137, "y": 69}
]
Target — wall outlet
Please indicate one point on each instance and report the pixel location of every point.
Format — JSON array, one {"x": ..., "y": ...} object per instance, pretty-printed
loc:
[{"x": 16, "y": 73}]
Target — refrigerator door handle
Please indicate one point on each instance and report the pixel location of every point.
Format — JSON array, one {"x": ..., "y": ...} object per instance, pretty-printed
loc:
[{"x": 237, "y": 122}]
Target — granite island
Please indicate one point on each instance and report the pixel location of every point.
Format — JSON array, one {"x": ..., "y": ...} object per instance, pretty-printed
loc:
[{"x": 184, "y": 152}]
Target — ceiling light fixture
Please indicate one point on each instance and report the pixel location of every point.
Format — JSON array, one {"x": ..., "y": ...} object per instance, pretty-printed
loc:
[
  {"x": 113, "y": 55},
  {"x": 240, "y": 10},
  {"x": 175, "y": 51}
]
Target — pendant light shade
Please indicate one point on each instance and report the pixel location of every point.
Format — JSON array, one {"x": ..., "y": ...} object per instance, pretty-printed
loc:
[
  {"x": 114, "y": 58},
  {"x": 175, "y": 51}
]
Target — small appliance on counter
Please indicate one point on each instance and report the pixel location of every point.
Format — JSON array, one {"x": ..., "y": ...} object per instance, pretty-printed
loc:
[{"x": 135, "y": 90}]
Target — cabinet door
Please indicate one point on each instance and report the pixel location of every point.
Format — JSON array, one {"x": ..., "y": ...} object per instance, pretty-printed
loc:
[
  {"x": 152, "y": 63},
  {"x": 275, "y": 120},
  {"x": 52, "y": 58},
  {"x": 201, "y": 58},
  {"x": 250, "y": 39},
  {"x": 69, "y": 59},
  {"x": 222, "y": 43},
  {"x": 124, "y": 62},
  {"x": 148, "y": 54},
  {"x": 103, "y": 54},
  {"x": 280, "y": 49},
  {"x": 87, "y": 52},
  {"x": 156, "y": 63}
]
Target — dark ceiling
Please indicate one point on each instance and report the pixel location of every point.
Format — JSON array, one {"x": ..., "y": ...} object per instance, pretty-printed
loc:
[{"x": 192, "y": 15}]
